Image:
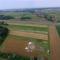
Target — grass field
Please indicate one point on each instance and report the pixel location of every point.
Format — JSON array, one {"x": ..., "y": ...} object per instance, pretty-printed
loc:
[
  {"x": 27, "y": 28},
  {"x": 58, "y": 29}
]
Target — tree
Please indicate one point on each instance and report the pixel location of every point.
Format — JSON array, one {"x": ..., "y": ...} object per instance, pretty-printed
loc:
[{"x": 3, "y": 34}]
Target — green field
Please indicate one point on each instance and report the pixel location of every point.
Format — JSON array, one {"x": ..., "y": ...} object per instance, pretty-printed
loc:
[
  {"x": 58, "y": 29},
  {"x": 28, "y": 28}
]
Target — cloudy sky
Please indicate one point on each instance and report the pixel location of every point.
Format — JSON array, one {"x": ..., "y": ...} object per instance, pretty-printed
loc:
[{"x": 9, "y": 4}]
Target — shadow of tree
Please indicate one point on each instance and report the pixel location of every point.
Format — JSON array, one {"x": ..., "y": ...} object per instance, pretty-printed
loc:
[{"x": 3, "y": 34}]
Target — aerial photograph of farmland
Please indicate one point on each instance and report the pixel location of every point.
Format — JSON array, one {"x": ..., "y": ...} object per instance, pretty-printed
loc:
[{"x": 29, "y": 31}]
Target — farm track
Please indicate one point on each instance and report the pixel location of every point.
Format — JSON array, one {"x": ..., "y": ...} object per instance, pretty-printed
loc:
[
  {"x": 54, "y": 43},
  {"x": 30, "y": 34}
]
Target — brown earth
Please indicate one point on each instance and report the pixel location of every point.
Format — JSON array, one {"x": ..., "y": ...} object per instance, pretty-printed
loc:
[
  {"x": 30, "y": 34},
  {"x": 54, "y": 43},
  {"x": 18, "y": 47}
]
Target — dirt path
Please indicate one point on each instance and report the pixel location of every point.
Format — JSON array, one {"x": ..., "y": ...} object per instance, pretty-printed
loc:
[
  {"x": 30, "y": 34},
  {"x": 54, "y": 43}
]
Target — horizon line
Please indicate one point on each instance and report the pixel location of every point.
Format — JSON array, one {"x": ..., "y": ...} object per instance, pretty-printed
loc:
[{"x": 30, "y": 8}]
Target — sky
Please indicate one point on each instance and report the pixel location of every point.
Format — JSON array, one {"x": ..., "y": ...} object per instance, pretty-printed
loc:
[{"x": 11, "y": 4}]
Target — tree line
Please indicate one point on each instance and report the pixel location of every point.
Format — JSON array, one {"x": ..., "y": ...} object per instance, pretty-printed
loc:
[{"x": 3, "y": 17}]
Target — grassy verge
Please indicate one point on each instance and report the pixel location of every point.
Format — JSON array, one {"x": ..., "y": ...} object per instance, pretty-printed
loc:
[
  {"x": 58, "y": 29},
  {"x": 49, "y": 56}
]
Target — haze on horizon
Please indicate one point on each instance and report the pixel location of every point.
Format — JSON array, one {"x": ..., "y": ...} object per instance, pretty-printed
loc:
[{"x": 14, "y": 4}]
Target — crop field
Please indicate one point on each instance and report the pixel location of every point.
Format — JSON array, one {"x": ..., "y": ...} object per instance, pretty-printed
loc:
[
  {"x": 19, "y": 37},
  {"x": 17, "y": 44},
  {"x": 22, "y": 27},
  {"x": 30, "y": 34},
  {"x": 38, "y": 32},
  {"x": 29, "y": 28}
]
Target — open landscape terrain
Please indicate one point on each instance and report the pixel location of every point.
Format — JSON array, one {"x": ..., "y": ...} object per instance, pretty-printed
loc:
[
  {"x": 20, "y": 35},
  {"x": 31, "y": 36}
]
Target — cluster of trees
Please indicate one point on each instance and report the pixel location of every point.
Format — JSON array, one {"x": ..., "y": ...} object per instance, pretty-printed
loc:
[
  {"x": 24, "y": 17},
  {"x": 3, "y": 34},
  {"x": 3, "y": 17},
  {"x": 49, "y": 17}
]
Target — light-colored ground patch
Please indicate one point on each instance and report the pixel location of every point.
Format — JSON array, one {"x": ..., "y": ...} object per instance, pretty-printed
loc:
[{"x": 30, "y": 34}]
